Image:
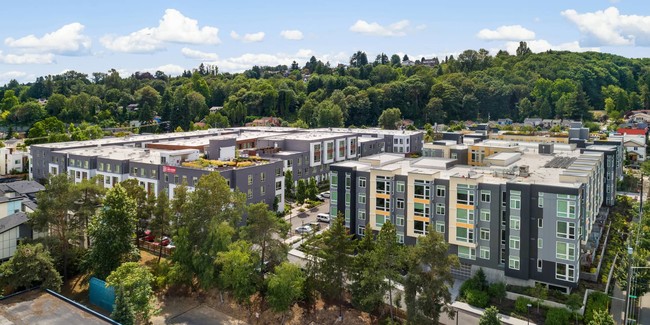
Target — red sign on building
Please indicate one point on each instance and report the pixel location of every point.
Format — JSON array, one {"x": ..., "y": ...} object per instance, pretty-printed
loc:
[{"x": 169, "y": 169}]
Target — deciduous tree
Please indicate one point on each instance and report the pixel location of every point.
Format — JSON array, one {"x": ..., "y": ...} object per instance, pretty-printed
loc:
[
  {"x": 285, "y": 287},
  {"x": 135, "y": 281},
  {"x": 30, "y": 266}
]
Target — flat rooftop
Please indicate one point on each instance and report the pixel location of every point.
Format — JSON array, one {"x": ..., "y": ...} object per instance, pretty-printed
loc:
[
  {"x": 41, "y": 307},
  {"x": 312, "y": 135},
  {"x": 369, "y": 131}
]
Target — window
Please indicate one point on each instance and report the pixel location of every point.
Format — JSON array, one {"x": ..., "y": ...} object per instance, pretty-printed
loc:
[
  {"x": 486, "y": 196},
  {"x": 420, "y": 227},
  {"x": 382, "y": 204},
  {"x": 400, "y": 220},
  {"x": 565, "y": 251},
  {"x": 540, "y": 202},
  {"x": 101, "y": 166},
  {"x": 539, "y": 265},
  {"x": 485, "y": 234},
  {"x": 400, "y": 238},
  {"x": 566, "y": 230},
  {"x": 361, "y": 230},
  {"x": 440, "y": 227},
  {"x": 330, "y": 150},
  {"x": 484, "y": 252},
  {"x": 440, "y": 208},
  {"x": 361, "y": 215},
  {"x": 317, "y": 153},
  {"x": 175, "y": 179},
  {"x": 485, "y": 215},
  {"x": 465, "y": 194},
  {"x": 383, "y": 185},
  {"x": 540, "y": 223},
  {"x": 401, "y": 187},
  {"x": 334, "y": 179},
  {"x": 278, "y": 185},
  {"x": 262, "y": 190},
  {"x": 466, "y": 252},
  {"x": 513, "y": 262},
  {"x": 421, "y": 210},
  {"x": 250, "y": 194},
  {"x": 400, "y": 204},
  {"x": 515, "y": 200},
  {"x": 421, "y": 190},
  {"x": 464, "y": 235},
  {"x": 143, "y": 172},
  {"x": 565, "y": 272},
  {"x": 134, "y": 171},
  {"x": 347, "y": 198},
  {"x": 540, "y": 243},
  {"x": 515, "y": 223},
  {"x": 262, "y": 177},
  {"x": 362, "y": 182},
  {"x": 362, "y": 199},
  {"x": 348, "y": 181},
  {"x": 117, "y": 169},
  {"x": 250, "y": 179},
  {"x": 334, "y": 196},
  {"x": 380, "y": 220},
  {"x": 465, "y": 216},
  {"x": 441, "y": 191},
  {"x": 566, "y": 209},
  {"x": 514, "y": 242}
]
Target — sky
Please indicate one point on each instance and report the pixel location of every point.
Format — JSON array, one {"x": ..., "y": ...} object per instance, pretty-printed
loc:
[{"x": 38, "y": 38}]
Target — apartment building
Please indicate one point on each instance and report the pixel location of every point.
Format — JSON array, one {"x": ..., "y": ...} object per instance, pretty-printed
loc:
[
  {"x": 525, "y": 218},
  {"x": 16, "y": 200}
]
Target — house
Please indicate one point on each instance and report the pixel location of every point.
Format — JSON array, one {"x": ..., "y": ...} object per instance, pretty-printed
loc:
[
  {"x": 16, "y": 200},
  {"x": 533, "y": 121},
  {"x": 132, "y": 107},
  {"x": 430, "y": 62},
  {"x": 633, "y": 131},
  {"x": 408, "y": 63},
  {"x": 639, "y": 116},
  {"x": 635, "y": 149},
  {"x": 215, "y": 109},
  {"x": 266, "y": 121},
  {"x": 13, "y": 159},
  {"x": 549, "y": 123},
  {"x": 504, "y": 121},
  {"x": 406, "y": 122}
]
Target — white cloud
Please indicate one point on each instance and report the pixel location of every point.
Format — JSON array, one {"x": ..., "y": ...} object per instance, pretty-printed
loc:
[
  {"x": 246, "y": 61},
  {"x": 543, "y": 45},
  {"x": 609, "y": 27},
  {"x": 248, "y": 38},
  {"x": 294, "y": 35},
  {"x": 174, "y": 27},
  {"x": 28, "y": 58},
  {"x": 506, "y": 33},
  {"x": 65, "y": 40},
  {"x": 168, "y": 69},
  {"x": 395, "y": 29},
  {"x": 199, "y": 55},
  {"x": 5, "y": 77}
]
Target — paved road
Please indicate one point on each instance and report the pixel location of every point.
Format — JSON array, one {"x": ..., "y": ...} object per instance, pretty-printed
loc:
[{"x": 308, "y": 217}]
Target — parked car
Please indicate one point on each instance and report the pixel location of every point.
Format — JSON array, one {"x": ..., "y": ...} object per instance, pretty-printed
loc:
[
  {"x": 304, "y": 229},
  {"x": 165, "y": 241},
  {"x": 323, "y": 217},
  {"x": 325, "y": 194},
  {"x": 148, "y": 236}
]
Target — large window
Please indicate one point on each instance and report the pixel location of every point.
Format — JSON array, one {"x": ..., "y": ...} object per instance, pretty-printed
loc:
[
  {"x": 330, "y": 151},
  {"x": 317, "y": 153},
  {"x": 514, "y": 243},
  {"x": 383, "y": 185},
  {"x": 515, "y": 200},
  {"x": 465, "y": 216},
  {"x": 382, "y": 204},
  {"x": 566, "y": 209},
  {"x": 565, "y": 272},
  {"x": 486, "y": 196},
  {"x": 464, "y": 235},
  {"x": 513, "y": 263},
  {"x": 565, "y": 251},
  {"x": 334, "y": 179},
  {"x": 466, "y": 252},
  {"x": 421, "y": 210},
  {"x": 485, "y": 252},
  {"x": 485, "y": 234},
  {"x": 421, "y": 190},
  {"x": 379, "y": 221},
  {"x": 465, "y": 194},
  {"x": 348, "y": 181},
  {"x": 566, "y": 230},
  {"x": 440, "y": 208},
  {"x": 420, "y": 227}
]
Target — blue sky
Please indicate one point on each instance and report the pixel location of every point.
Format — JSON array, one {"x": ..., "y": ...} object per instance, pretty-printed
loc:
[{"x": 49, "y": 37}]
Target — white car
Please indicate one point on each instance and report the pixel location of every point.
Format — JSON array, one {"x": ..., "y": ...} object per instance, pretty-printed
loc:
[
  {"x": 325, "y": 194},
  {"x": 304, "y": 229},
  {"x": 323, "y": 217}
]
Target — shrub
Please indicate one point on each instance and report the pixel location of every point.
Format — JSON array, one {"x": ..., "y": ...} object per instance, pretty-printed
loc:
[
  {"x": 497, "y": 290},
  {"x": 557, "y": 316},
  {"x": 476, "y": 282},
  {"x": 477, "y": 298},
  {"x": 521, "y": 305},
  {"x": 596, "y": 301}
]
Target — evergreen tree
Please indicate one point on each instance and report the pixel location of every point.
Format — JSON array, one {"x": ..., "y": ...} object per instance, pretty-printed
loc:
[
  {"x": 490, "y": 317},
  {"x": 123, "y": 312},
  {"x": 301, "y": 191}
]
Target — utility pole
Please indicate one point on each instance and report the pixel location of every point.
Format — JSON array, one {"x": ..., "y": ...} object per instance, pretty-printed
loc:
[{"x": 630, "y": 251}]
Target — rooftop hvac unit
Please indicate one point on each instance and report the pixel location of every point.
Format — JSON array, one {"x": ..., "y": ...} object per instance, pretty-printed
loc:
[{"x": 524, "y": 171}]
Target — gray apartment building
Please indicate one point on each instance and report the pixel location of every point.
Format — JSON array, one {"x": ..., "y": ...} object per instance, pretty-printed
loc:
[{"x": 522, "y": 216}]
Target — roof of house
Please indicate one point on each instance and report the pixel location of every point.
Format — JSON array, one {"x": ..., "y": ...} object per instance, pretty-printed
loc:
[
  {"x": 46, "y": 307},
  {"x": 632, "y": 131},
  {"x": 25, "y": 187},
  {"x": 12, "y": 221}
]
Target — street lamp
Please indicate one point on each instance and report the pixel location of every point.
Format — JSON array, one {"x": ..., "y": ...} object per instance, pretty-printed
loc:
[
  {"x": 456, "y": 309},
  {"x": 528, "y": 313}
]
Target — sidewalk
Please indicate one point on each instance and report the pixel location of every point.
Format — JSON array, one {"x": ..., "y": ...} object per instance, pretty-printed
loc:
[
  {"x": 618, "y": 305},
  {"x": 470, "y": 315}
]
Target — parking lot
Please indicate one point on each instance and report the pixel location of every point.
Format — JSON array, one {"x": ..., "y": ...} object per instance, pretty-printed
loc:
[{"x": 298, "y": 219}]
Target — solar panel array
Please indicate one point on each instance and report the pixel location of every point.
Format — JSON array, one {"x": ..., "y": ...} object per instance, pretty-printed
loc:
[{"x": 560, "y": 162}]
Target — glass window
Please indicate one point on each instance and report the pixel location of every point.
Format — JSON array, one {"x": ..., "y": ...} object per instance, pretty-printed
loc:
[
  {"x": 361, "y": 230},
  {"x": 421, "y": 210},
  {"x": 465, "y": 195},
  {"x": 515, "y": 200},
  {"x": 465, "y": 216},
  {"x": 348, "y": 181},
  {"x": 383, "y": 185},
  {"x": 400, "y": 238},
  {"x": 380, "y": 220},
  {"x": 466, "y": 252},
  {"x": 485, "y": 215},
  {"x": 250, "y": 179},
  {"x": 362, "y": 199},
  {"x": 486, "y": 196},
  {"x": 440, "y": 208},
  {"x": 565, "y": 251},
  {"x": 400, "y": 203},
  {"x": 382, "y": 204},
  {"x": 485, "y": 252},
  {"x": 465, "y": 235},
  {"x": 513, "y": 262},
  {"x": 362, "y": 182},
  {"x": 565, "y": 272},
  {"x": 540, "y": 202},
  {"x": 485, "y": 234},
  {"x": 514, "y": 242},
  {"x": 540, "y": 243},
  {"x": 540, "y": 223},
  {"x": 421, "y": 191},
  {"x": 440, "y": 226},
  {"x": 441, "y": 191},
  {"x": 400, "y": 187},
  {"x": 334, "y": 179},
  {"x": 334, "y": 196},
  {"x": 420, "y": 227},
  {"x": 250, "y": 194},
  {"x": 400, "y": 220},
  {"x": 361, "y": 215},
  {"x": 566, "y": 209},
  {"x": 566, "y": 230},
  {"x": 515, "y": 223}
]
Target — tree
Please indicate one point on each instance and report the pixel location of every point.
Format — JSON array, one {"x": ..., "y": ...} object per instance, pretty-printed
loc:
[
  {"x": 266, "y": 231},
  {"x": 285, "y": 287},
  {"x": 389, "y": 254},
  {"x": 329, "y": 115},
  {"x": 490, "y": 317},
  {"x": 335, "y": 251},
  {"x": 523, "y": 49},
  {"x": 368, "y": 286},
  {"x": 112, "y": 232},
  {"x": 148, "y": 102},
  {"x": 216, "y": 120},
  {"x": 312, "y": 189},
  {"x": 288, "y": 184},
  {"x": 390, "y": 118},
  {"x": 135, "y": 281},
  {"x": 92, "y": 194},
  {"x": 498, "y": 290},
  {"x": 428, "y": 279},
  {"x": 53, "y": 215},
  {"x": 602, "y": 317},
  {"x": 301, "y": 191},
  {"x": 238, "y": 274},
  {"x": 540, "y": 293},
  {"x": 574, "y": 302},
  {"x": 123, "y": 312},
  {"x": 30, "y": 266},
  {"x": 162, "y": 215},
  {"x": 143, "y": 205}
]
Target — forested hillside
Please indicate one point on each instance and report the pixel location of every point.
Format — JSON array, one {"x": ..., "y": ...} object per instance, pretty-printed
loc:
[{"x": 472, "y": 86}]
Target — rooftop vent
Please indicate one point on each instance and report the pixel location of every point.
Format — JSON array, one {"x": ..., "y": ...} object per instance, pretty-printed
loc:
[{"x": 524, "y": 171}]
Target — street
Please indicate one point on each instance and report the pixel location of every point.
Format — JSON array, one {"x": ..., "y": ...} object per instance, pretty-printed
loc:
[{"x": 307, "y": 217}]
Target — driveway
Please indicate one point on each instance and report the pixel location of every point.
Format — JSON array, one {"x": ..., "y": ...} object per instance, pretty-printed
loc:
[
  {"x": 187, "y": 311},
  {"x": 298, "y": 219}
]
